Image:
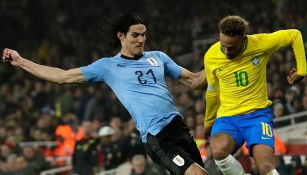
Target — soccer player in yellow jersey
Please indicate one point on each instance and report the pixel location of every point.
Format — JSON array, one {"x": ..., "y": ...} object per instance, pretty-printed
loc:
[{"x": 238, "y": 108}]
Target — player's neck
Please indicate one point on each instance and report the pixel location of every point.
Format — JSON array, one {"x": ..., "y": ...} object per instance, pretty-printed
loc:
[{"x": 131, "y": 58}]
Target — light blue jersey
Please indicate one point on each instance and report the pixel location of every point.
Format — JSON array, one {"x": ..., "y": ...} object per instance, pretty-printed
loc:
[{"x": 140, "y": 86}]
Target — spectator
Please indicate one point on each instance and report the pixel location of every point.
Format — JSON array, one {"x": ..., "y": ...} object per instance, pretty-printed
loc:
[
  {"x": 67, "y": 35},
  {"x": 278, "y": 110},
  {"x": 85, "y": 157},
  {"x": 67, "y": 135},
  {"x": 281, "y": 167},
  {"x": 304, "y": 99},
  {"x": 305, "y": 166},
  {"x": 291, "y": 94},
  {"x": 140, "y": 166},
  {"x": 297, "y": 104},
  {"x": 200, "y": 140},
  {"x": 131, "y": 141},
  {"x": 36, "y": 161},
  {"x": 297, "y": 165},
  {"x": 112, "y": 155},
  {"x": 95, "y": 107}
]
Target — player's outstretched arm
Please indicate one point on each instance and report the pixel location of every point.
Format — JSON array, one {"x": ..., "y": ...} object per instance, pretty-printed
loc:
[
  {"x": 44, "y": 72},
  {"x": 193, "y": 80}
]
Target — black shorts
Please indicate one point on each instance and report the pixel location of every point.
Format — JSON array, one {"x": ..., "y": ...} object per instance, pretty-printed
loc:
[{"x": 174, "y": 147}]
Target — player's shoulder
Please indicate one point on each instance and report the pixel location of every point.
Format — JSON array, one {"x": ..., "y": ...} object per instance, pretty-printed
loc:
[
  {"x": 215, "y": 46},
  {"x": 257, "y": 37},
  {"x": 214, "y": 50},
  {"x": 259, "y": 40},
  {"x": 274, "y": 34},
  {"x": 154, "y": 53},
  {"x": 104, "y": 60}
]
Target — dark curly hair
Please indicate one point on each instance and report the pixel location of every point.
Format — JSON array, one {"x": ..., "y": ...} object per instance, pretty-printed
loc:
[
  {"x": 233, "y": 26},
  {"x": 118, "y": 22}
]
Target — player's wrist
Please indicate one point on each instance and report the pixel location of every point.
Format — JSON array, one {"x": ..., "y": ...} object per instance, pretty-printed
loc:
[{"x": 22, "y": 62}]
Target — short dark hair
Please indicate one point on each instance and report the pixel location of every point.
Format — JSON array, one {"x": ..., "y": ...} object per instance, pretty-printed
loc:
[
  {"x": 119, "y": 22},
  {"x": 233, "y": 26}
]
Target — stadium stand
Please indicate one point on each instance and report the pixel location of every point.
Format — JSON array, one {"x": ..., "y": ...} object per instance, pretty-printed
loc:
[{"x": 66, "y": 34}]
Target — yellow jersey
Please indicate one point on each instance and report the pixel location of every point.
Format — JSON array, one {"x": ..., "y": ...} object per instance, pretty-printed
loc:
[{"x": 238, "y": 86}]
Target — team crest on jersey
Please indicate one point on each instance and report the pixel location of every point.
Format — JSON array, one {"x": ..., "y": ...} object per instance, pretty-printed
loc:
[
  {"x": 178, "y": 160},
  {"x": 256, "y": 60},
  {"x": 152, "y": 61}
]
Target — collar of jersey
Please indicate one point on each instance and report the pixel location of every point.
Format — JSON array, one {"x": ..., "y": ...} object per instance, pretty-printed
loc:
[{"x": 131, "y": 58}]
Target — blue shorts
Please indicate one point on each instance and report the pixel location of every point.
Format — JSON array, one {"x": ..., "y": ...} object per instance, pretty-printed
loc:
[{"x": 254, "y": 128}]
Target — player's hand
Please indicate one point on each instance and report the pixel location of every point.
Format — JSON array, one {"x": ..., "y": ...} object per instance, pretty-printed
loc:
[
  {"x": 11, "y": 56},
  {"x": 207, "y": 132},
  {"x": 199, "y": 80},
  {"x": 293, "y": 77}
]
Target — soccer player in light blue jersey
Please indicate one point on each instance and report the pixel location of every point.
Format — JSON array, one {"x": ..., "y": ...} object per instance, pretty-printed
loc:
[{"x": 138, "y": 80}]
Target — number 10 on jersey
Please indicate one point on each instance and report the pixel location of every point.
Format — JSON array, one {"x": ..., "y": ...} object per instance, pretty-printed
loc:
[{"x": 241, "y": 78}]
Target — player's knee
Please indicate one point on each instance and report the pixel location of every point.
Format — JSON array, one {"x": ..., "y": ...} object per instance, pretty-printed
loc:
[
  {"x": 265, "y": 167},
  {"x": 221, "y": 146},
  {"x": 195, "y": 169},
  {"x": 219, "y": 153},
  {"x": 200, "y": 172}
]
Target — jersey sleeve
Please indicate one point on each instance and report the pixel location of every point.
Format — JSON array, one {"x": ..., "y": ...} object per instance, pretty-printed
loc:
[
  {"x": 94, "y": 72},
  {"x": 283, "y": 38},
  {"x": 212, "y": 95},
  {"x": 171, "y": 68}
]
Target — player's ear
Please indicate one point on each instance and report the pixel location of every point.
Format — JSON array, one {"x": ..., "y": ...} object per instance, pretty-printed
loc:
[{"x": 120, "y": 36}]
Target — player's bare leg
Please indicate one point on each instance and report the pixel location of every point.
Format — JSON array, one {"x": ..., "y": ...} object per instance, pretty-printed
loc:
[
  {"x": 195, "y": 169},
  {"x": 222, "y": 145},
  {"x": 264, "y": 159}
]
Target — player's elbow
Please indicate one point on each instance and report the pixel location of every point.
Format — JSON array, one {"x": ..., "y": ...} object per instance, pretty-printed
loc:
[
  {"x": 295, "y": 33},
  {"x": 61, "y": 78}
]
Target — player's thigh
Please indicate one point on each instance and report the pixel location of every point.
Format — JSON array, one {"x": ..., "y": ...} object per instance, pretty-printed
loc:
[
  {"x": 225, "y": 138},
  {"x": 258, "y": 131},
  {"x": 170, "y": 156},
  {"x": 189, "y": 146}
]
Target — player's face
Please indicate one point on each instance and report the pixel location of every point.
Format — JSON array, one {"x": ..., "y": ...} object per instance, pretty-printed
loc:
[
  {"x": 231, "y": 45},
  {"x": 133, "y": 42}
]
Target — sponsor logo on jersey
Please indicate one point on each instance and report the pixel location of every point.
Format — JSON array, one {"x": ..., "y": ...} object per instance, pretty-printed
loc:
[
  {"x": 256, "y": 60},
  {"x": 152, "y": 61},
  {"x": 220, "y": 68},
  {"x": 121, "y": 65},
  {"x": 265, "y": 138},
  {"x": 178, "y": 160}
]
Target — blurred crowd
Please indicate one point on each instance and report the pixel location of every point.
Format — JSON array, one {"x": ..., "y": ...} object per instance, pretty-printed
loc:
[{"x": 66, "y": 34}]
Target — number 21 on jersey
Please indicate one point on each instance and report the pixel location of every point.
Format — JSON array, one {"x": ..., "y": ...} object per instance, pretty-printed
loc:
[{"x": 140, "y": 75}]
